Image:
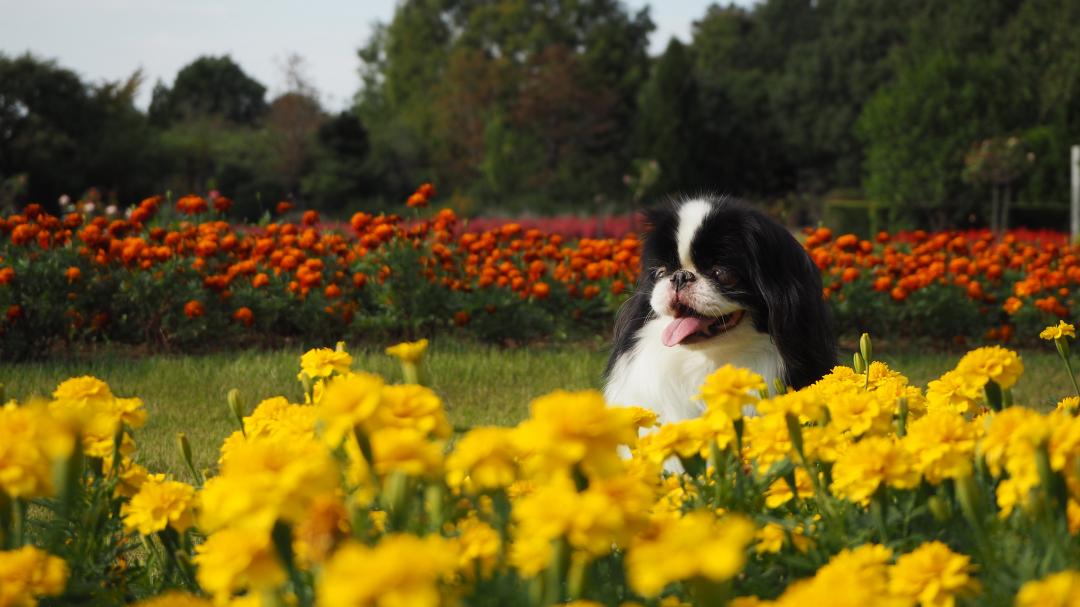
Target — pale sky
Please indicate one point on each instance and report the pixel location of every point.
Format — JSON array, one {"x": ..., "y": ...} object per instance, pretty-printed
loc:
[{"x": 110, "y": 39}]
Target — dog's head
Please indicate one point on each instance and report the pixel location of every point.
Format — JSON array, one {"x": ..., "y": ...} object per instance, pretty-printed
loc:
[{"x": 714, "y": 265}]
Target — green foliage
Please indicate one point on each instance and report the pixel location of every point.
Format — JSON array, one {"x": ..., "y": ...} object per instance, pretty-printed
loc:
[{"x": 209, "y": 86}]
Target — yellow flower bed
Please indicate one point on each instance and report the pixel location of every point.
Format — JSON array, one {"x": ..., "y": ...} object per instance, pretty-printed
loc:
[{"x": 861, "y": 489}]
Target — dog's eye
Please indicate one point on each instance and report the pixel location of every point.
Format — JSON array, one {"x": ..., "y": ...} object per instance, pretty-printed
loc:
[
  {"x": 659, "y": 272},
  {"x": 724, "y": 276}
]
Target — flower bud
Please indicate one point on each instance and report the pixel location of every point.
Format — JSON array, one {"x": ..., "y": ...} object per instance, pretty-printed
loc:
[
  {"x": 184, "y": 446},
  {"x": 237, "y": 408},
  {"x": 866, "y": 348},
  {"x": 859, "y": 363}
]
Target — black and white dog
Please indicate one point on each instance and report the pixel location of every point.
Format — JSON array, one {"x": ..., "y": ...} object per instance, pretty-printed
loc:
[{"x": 720, "y": 283}]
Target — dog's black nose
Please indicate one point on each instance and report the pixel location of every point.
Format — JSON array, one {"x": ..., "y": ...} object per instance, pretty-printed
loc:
[{"x": 681, "y": 278}]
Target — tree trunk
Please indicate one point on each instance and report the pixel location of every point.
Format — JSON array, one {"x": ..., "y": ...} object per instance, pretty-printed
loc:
[
  {"x": 994, "y": 204},
  {"x": 1004, "y": 223}
]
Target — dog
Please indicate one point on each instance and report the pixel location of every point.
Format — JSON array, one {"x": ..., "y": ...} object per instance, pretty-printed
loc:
[{"x": 720, "y": 283}]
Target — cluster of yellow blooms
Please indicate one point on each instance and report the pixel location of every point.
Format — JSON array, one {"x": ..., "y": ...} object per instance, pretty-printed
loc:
[{"x": 361, "y": 494}]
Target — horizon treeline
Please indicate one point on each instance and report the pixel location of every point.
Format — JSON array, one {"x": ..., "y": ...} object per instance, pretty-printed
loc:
[{"x": 936, "y": 113}]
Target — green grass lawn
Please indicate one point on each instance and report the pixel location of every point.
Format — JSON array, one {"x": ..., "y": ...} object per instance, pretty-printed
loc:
[{"x": 479, "y": 384}]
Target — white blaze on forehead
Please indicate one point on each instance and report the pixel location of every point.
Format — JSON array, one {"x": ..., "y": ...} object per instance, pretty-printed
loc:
[{"x": 691, "y": 216}]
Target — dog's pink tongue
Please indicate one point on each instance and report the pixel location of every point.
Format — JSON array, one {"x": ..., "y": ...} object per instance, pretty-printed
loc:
[{"x": 681, "y": 328}]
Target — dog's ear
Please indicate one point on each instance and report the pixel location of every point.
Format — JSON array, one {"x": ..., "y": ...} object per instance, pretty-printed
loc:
[{"x": 789, "y": 283}]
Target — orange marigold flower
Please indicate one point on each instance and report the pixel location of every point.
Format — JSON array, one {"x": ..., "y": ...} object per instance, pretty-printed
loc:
[
  {"x": 14, "y": 312},
  {"x": 416, "y": 201},
  {"x": 461, "y": 318},
  {"x": 73, "y": 273},
  {"x": 260, "y": 280},
  {"x": 193, "y": 309},
  {"x": 540, "y": 290},
  {"x": 6, "y": 275},
  {"x": 222, "y": 204},
  {"x": 1012, "y": 305},
  {"x": 283, "y": 207},
  {"x": 244, "y": 315},
  {"x": 309, "y": 218},
  {"x": 191, "y": 204}
]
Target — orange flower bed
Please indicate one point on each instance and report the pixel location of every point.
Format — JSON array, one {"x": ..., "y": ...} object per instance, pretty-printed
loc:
[
  {"x": 953, "y": 284},
  {"x": 180, "y": 274}
]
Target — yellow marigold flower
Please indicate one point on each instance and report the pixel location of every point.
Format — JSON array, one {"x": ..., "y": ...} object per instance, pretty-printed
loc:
[
  {"x": 605, "y": 515},
  {"x": 568, "y": 429},
  {"x": 83, "y": 392},
  {"x": 31, "y": 441},
  {"x": 390, "y": 573},
  {"x": 266, "y": 480},
  {"x": 326, "y": 523},
  {"x": 131, "y": 476},
  {"x": 1064, "y": 442},
  {"x": 1010, "y": 445},
  {"x": 1072, "y": 516},
  {"x": 89, "y": 403},
  {"x": 684, "y": 439},
  {"x": 644, "y": 418},
  {"x": 1069, "y": 404},
  {"x": 933, "y": 575},
  {"x": 993, "y": 363},
  {"x": 478, "y": 547},
  {"x": 860, "y": 412},
  {"x": 411, "y": 406},
  {"x": 696, "y": 545},
  {"x": 803, "y": 404},
  {"x": 530, "y": 554},
  {"x": 766, "y": 440},
  {"x": 852, "y": 578},
  {"x": 175, "y": 599},
  {"x": 278, "y": 417},
  {"x": 824, "y": 443},
  {"x": 609, "y": 512},
  {"x": 1060, "y": 331},
  {"x": 779, "y": 492},
  {"x": 954, "y": 391},
  {"x": 1060, "y": 589},
  {"x": 729, "y": 389},
  {"x": 409, "y": 352},
  {"x": 486, "y": 456},
  {"x": 772, "y": 537},
  {"x": 841, "y": 379},
  {"x": 942, "y": 444},
  {"x": 1008, "y": 430},
  {"x": 323, "y": 362},
  {"x": 29, "y": 573},
  {"x": 406, "y": 450},
  {"x": 349, "y": 401},
  {"x": 870, "y": 463},
  {"x": 232, "y": 560},
  {"x": 159, "y": 504}
]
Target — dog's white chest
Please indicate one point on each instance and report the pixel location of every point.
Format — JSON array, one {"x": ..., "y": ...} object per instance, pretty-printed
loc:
[{"x": 666, "y": 380}]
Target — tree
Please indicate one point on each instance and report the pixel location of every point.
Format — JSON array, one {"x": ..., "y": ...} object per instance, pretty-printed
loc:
[
  {"x": 554, "y": 83},
  {"x": 209, "y": 86},
  {"x": 45, "y": 113},
  {"x": 341, "y": 174},
  {"x": 667, "y": 129},
  {"x": 735, "y": 65},
  {"x": 63, "y": 136}
]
